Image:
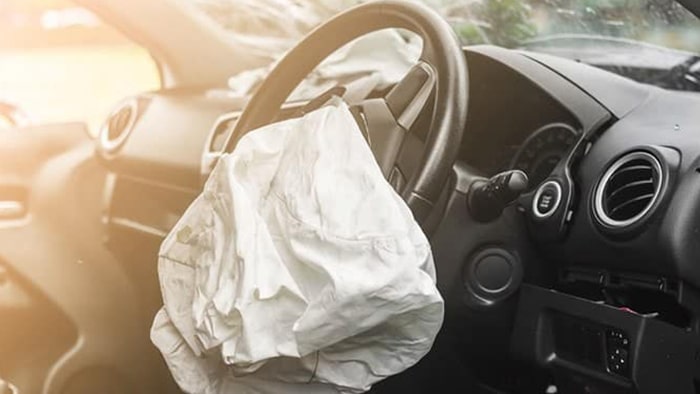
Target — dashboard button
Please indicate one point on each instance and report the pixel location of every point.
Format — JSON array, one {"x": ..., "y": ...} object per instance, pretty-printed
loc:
[
  {"x": 547, "y": 199},
  {"x": 618, "y": 350}
]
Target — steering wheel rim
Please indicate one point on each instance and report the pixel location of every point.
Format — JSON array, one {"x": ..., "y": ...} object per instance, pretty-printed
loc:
[{"x": 441, "y": 52}]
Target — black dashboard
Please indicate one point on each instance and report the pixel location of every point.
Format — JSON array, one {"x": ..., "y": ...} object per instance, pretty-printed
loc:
[
  {"x": 501, "y": 123},
  {"x": 601, "y": 249}
]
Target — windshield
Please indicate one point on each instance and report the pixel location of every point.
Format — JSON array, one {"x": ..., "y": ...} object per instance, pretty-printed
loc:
[
  {"x": 512, "y": 23},
  {"x": 624, "y": 36}
]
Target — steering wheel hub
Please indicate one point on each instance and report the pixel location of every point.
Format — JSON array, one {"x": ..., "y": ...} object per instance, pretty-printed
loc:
[{"x": 441, "y": 73}]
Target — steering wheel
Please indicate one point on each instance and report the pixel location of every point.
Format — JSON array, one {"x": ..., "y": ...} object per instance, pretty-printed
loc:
[{"x": 418, "y": 168}]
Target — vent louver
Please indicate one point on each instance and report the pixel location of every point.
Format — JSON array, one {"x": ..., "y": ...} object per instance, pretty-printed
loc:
[
  {"x": 217, "y": 141},
  {"x": 628, "y": 190},
  {"x": 222, "y": 131},
  {"x": 118, "y": 126},
  {"x": 119, "y": 122}
]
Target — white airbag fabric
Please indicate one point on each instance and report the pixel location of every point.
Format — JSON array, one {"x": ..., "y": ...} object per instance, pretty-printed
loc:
[{"x": 297, "y": 270}]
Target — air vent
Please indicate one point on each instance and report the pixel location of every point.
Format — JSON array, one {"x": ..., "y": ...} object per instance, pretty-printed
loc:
[
  {"x": 118, "y": 126},
  {"x": 628, "y": 190},
  {"x": 222, "y": 131},
  {"x": 217, "y": 141}
]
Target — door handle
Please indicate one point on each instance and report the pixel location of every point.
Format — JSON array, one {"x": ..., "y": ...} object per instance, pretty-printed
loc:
[
  {"x": 14, "y": 198},
  {"x": 12, "y": 209}
]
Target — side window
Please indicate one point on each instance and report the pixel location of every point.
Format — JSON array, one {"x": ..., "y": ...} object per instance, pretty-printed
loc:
[{"x": 61, "y": 63}]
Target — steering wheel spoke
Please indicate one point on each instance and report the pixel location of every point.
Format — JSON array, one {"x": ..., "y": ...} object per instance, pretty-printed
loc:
[
  {"x": 408, "y": 98},
  {"x": 383, "y": 133},
  {"x": 387, "y": 123}
]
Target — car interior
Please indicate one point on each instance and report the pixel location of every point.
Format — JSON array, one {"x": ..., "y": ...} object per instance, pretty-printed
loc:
[{"x": 581, "y": 280}]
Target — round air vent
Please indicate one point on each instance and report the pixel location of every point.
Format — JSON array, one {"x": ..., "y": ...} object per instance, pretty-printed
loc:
[
  {"x": 628, "y": 190},
  {"x": 118, "y": 126}
]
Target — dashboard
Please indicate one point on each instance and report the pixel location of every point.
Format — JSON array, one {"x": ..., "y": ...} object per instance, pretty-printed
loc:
[
  {"x": 608, "y": 224},
  {"x": 543, "y": 150},
  {"x": 507, "y": 131}
]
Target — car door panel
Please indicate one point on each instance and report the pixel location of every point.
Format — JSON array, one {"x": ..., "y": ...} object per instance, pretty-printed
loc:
[{"x": 71, "y": 306}]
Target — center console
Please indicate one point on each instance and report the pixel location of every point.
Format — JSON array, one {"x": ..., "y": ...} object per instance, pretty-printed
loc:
[{"x": 593, "y": 347}]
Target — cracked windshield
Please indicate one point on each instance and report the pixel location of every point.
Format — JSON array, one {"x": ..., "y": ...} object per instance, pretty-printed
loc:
[
  {"x": 647, "y": 40},
  {"x": 60, "y": 63}
]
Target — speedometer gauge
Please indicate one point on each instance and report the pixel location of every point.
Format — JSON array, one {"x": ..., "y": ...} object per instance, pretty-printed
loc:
[{"x": 543, "y": 150}]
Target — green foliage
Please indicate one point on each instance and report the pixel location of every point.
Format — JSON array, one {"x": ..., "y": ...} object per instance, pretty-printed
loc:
[
  {"x": 499, "y": 22},
  {"x": 469, "y": 33}
]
